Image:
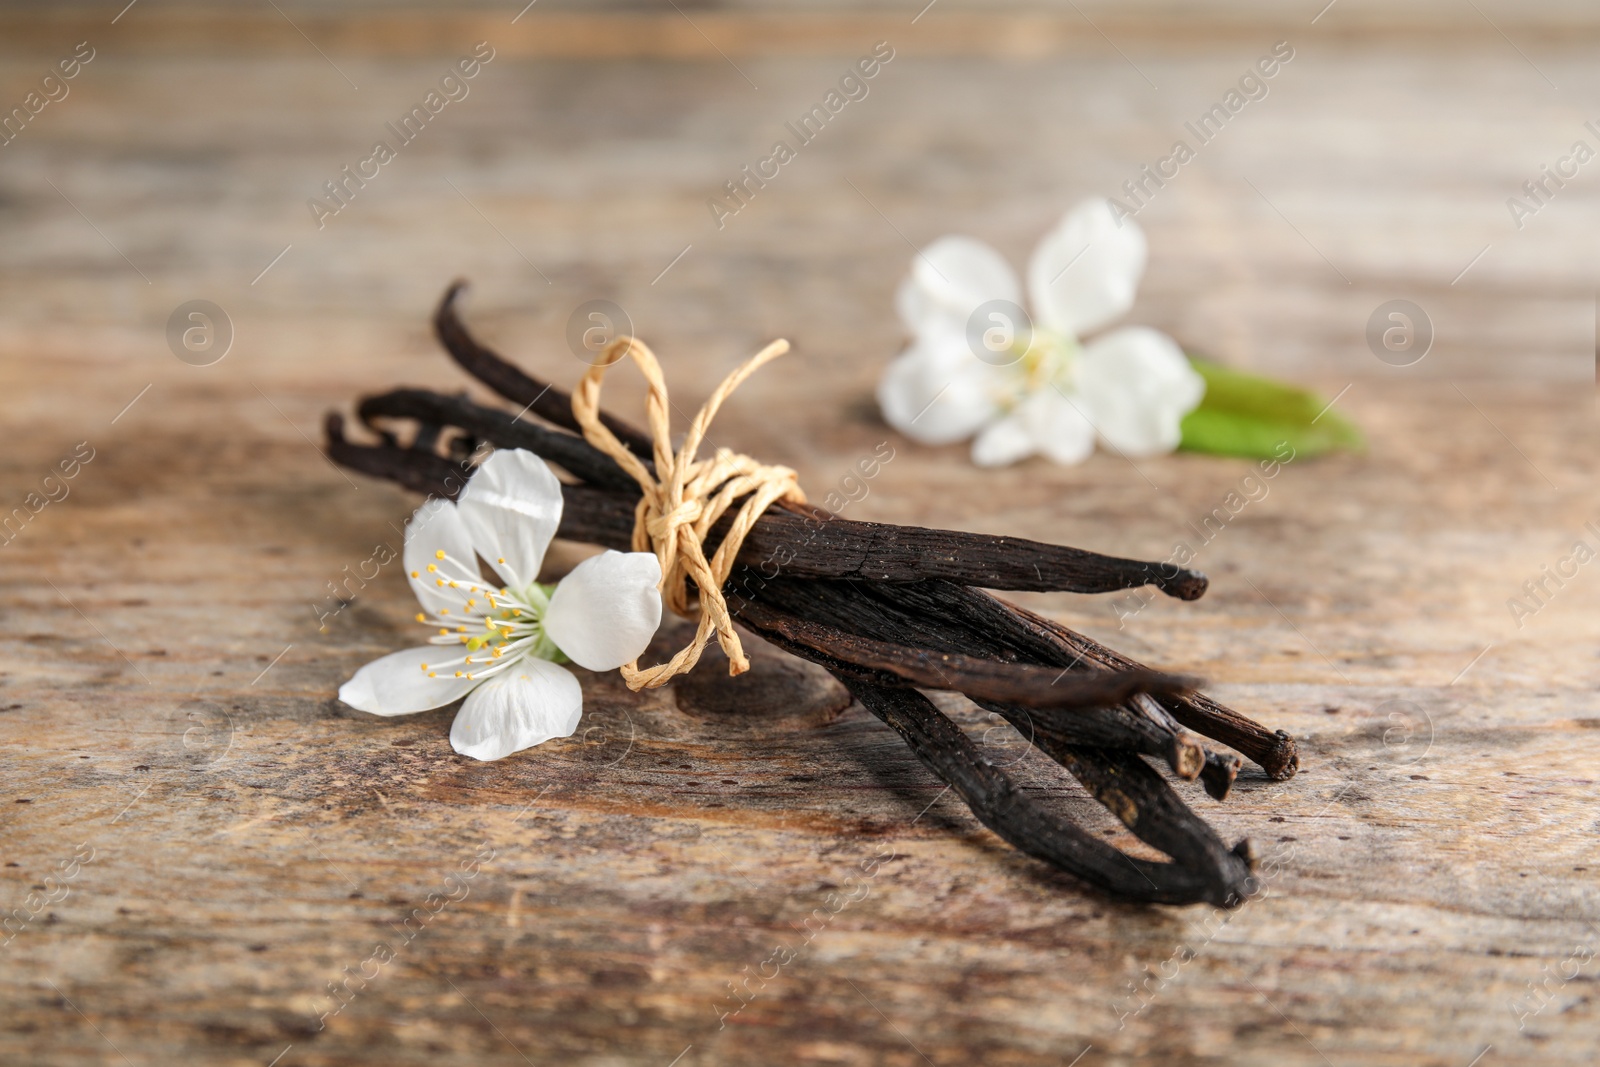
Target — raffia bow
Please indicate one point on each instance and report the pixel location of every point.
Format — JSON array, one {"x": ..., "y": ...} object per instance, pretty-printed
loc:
[{"x": 683, "y": 499}]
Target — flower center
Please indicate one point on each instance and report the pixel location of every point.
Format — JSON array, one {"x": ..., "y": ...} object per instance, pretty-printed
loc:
[
  {"x": 494, "y": 628},
  {"x": 1050, "y": 359}
]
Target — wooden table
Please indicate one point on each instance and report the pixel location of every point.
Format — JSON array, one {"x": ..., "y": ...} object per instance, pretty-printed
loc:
[{"x": 218, "y": 840}]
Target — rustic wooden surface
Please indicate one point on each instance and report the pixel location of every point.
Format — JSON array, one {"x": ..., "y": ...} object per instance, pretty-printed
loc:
[{"x": 167, "y": 699}]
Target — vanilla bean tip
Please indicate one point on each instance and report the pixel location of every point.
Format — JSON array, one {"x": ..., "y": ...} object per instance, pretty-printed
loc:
[
  {"x": 1282, "y": 760},
  {"x": 445, "y": 320},
  {"x": 1187, "y": 759},
  {"x": 1185, "y": 584},
  {"x": 1219, "y": 773}
]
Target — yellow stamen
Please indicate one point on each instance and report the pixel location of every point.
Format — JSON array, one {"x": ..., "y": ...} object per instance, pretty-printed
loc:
[
  {"x": 421, "y": 617},
  {"x": 432, "y": 568}
]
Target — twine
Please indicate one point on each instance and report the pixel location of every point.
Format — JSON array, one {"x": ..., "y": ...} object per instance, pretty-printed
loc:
[{"x": 684, "y": 499}]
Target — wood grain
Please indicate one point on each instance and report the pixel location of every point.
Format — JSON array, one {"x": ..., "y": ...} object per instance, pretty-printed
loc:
[{"x": 167, "y": 694}]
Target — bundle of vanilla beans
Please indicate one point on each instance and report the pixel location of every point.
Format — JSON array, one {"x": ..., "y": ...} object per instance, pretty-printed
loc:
[{"x": 890, "y": 610}]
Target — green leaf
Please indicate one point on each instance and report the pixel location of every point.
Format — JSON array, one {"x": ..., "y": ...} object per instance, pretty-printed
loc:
[{"x": 1247, "y": 415}]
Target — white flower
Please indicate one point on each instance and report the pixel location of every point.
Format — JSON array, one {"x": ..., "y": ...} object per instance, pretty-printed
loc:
[
  {"x": 1040, "y": 391},
  {"x": 502, "y": 643}
]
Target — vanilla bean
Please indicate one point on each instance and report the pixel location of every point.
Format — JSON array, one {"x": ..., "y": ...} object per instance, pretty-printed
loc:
[
  {"x": 879, "y": 611},
  {"x": 417, "y": 470},
  {"x": 569, "y": 451},
  {"x": 1145, "y": 705},
  {"x": 1087, "y": 718},
  {"x": 1145, "y": 804},
  {"x": 1219, "y": 769},
  {"x": 1121, "y": 782},
  {"x": 847, "y": 548},
  {"x": 887, "y": 663},
  {"x": 1272, "y": 750},
  {"x": 510, "y": 381},
  {"x": 1081, "y": 718},
  {"x": 1219, "y": 773},
  {"x": 997, "y": 802},
  {"x": 836, "y": 548},
  {"x": 1109, "y": 726},
  {"x": 853, "y": 607},
  {"x": 1036, "y": 639},
  {"x": 808, "y": 540}
]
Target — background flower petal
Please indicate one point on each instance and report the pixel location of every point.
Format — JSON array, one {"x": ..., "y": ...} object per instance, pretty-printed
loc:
[
  {"x": 938, "y": 393},
  {"x": 1137, "y": 385},
  {"x": 397, "y": 684},
  {"x": 517, "y": 709},
  {"x": 948, "y": 280},
  {"x": 1059, "y": 426},
  {"x": 1002, "y": 443},
  {"x": 1085, "y": 272},
  {"x": 604, "y": 613},
  {"x": 511, "y": 507}
]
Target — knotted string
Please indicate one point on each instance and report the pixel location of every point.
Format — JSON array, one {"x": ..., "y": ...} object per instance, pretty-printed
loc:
[{"x": 684, "y": 498}]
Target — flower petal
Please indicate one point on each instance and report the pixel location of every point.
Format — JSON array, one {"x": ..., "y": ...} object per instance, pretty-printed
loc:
[
  {"x": 938, "y": 393},
  {"x": 1137, "y": 385},
  {"x": 518, "y": 708},
  {"x": 1085, "y": 272},
  {"x": 437, "y": 526},
  {"x": 604, "y": 613},
  {"x": 511, "y": 507},
  {"x": 398, "y": 685},
  {"x": 1058, "y": 425},
  {"x": 948, "y": 280},
  {"x": 1003, "y": 443},
  {"x": 912, "y": 304}
]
